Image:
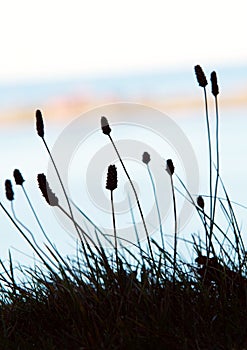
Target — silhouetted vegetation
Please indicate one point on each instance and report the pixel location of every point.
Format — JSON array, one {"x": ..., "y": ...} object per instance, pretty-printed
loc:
[{"x": 114, "y": 299}]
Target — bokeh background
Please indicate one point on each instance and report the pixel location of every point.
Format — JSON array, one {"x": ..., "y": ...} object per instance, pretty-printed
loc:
[{"x": 67, "y": 57}]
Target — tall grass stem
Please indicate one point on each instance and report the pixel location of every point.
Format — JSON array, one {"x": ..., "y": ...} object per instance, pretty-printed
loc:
[{"x": 137, "y": 199}]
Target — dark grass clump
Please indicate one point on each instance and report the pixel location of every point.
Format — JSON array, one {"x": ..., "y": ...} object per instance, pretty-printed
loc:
[
  {"x": 146, "y": 299},
  {"x": 123, "y": 311}
]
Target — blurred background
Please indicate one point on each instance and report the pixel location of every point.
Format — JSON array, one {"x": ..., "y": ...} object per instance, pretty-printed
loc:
[{"x": 67, "y": 57}]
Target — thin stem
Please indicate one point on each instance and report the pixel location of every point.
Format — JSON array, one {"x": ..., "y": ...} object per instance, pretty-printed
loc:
[
  {"x": 67, "y": 199},
  {"x": 91, "y": 222},
  {"x": 199, "y": 211},
  {"x": 225, "y": 199},
  {"x": 35, "y": 215},
  {"x": 79, "y": 228},
  {"x": 233, "y": 215},
  {"x": 157, "y": 207},
  {"x": 137, "y": 199},
  {"x": 37, "y": 219},
  {"x": 52, "y": 245},
  {"x": 114, "y": 228},
  {"x": 135, "y": 228},
  {"x": 206, "y": 233},
  {"x": 26, "y": 238},
  {"x": 21, "y": 224},
  {"x": 31, "y": 234},
  {"x": 105, "y": 235},
  {"x": 217, "y": 158},
  {"x": 230, "y": 218},
  {"x": 210, "y": 165},
  {"x": 61, "y": 183},
  {"x": 175, "y": 230}
]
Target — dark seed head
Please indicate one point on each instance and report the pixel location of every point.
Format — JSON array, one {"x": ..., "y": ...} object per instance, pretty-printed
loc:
[
  {"x": 39, "y": 123},
  {"x": 170, "y": 167},
  {"x": 111, "y": 182},
  {"x": 105, "y": 126},
  {"x": 214, "y": 84},
  {"x": 201, "y": 259},
  {"x": 8, "y": 190},
  {"x": 200, "y": 76},
  {"x": 200, "y": 202},
  {"x": 146, "y": 157},
  {"x": 45, "y": 189},
  {"x": 18, "y": 177}
]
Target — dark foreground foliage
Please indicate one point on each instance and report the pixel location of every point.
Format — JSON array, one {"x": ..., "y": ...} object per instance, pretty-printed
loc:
[
  {"x": 101, "y": 300},
  {"x": 120, "y": 311}
]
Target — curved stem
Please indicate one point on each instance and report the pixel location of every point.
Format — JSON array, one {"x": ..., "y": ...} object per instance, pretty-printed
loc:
[
  {"x": 137, "y": 199},
  {"x": 157, "y": 207},
  {"x": 67, "y": 199},
  {"x": 26, "y": 238},
  {"x": 35, "y": 215},
  {"x": 175, "y": 230},
  {"x": 61, "y": 182},
  {"x": 91, "y": 222},
  {"x": 217, "y": 159},
  {"x": 21, "y": 224},
  {"x": 210, "y": 166},
  {"x": 114, "y": 228}
]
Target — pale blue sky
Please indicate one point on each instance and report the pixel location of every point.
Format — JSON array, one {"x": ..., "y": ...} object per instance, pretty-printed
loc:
[{"x": 59, "y": 38}]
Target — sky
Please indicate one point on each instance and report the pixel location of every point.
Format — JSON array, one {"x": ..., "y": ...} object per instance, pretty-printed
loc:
[{"x": 56, "y": 39}]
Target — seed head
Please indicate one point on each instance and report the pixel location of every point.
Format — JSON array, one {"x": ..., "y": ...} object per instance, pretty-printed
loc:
[
  {"x": 105, "y": 126},
  {"x": 201, "y": 259},
  {"x": 8, "y": 190},
  {"x": 146, "y": 157},
  {"x": 200, "y": 76},
  {"x": 18, "y": 177},
  {"x": 39, "y": 123},
  {"x": 111, "y": 181},
  {"x": 200, "y": 202},
  {"x": 214, "y": 84},
  {"x": 170, "y": 167},
  {"x": 45, "y": 189}
]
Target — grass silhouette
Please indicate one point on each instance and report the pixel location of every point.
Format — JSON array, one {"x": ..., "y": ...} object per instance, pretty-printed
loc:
[{"x": 145, "y": 300}]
